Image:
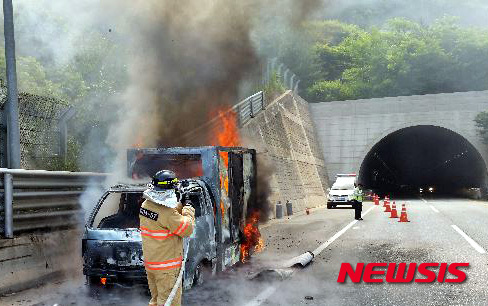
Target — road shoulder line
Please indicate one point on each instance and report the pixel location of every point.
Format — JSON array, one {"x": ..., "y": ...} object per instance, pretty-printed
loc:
[
  {"x": 266, "y": 293},
  {"x": 473, "y": 243},
  {"x": 324, "y": 245},
  {"x": 434, "y": 209}
]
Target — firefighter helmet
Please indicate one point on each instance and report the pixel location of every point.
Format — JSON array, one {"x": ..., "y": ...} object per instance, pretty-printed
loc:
[{"x": 164, "y": 179}]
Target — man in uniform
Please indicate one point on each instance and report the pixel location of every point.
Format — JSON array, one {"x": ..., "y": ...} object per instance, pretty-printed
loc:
[
  {"x": 358, "y": 201},
  {"x": 164, "y": 223}
]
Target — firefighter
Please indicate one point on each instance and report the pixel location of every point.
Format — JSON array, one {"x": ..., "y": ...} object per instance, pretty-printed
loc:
[
  {"x": 358, "y": 201},
  {"x": 164, "y": 222}
]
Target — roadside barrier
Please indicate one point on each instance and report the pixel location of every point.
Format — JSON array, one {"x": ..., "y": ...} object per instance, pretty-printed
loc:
[
  {"x": 40, "y": 199},
  {"x": 394, "y": 213},
  {"x": 403, "y": 216}
]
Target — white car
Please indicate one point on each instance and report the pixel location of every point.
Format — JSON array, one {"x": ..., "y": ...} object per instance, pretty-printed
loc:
[{"x": 342, "y": 191}]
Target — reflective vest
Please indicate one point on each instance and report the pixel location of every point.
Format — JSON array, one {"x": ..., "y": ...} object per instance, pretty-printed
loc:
[
  {"x": 358, "y": 194},
  {"x": 162, "y": 231}
]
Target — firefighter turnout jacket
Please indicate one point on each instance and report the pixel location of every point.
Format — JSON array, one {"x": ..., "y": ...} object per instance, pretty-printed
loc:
[{"x": 162, "y": 230}]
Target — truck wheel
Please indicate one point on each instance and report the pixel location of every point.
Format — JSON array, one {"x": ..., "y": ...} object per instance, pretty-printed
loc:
[
  {"x": 93, "y": 289},
  {"x": 202, "y": 273},
  {"x": 329, "y": 206}
]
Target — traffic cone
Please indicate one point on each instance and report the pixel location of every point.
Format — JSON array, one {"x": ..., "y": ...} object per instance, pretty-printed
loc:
[
  {"x": 385, "y": 201},
  {"x": 403, "y": 215},
  {"x": 387, "y": 207},
  {"x": 376, "y": 200},
  {"x": 394, "y": 213}
]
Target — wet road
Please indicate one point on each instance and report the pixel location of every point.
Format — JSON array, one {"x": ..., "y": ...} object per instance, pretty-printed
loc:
[{"x": 439, "y": 231}]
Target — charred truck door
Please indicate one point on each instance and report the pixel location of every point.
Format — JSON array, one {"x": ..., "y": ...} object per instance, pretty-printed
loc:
[{"x": 237, "y": 180}]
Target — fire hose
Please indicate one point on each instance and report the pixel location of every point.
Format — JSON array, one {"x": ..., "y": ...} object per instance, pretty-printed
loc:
[
  {"x": 172, "y": 294},
  {"x": 180, "y": 275}
]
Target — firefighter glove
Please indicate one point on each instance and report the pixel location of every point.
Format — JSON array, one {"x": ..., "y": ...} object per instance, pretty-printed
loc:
[{"x": 188, "y": 211}]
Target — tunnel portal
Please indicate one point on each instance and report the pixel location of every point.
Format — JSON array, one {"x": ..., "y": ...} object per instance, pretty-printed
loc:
[{"x": 424, "y": 157}]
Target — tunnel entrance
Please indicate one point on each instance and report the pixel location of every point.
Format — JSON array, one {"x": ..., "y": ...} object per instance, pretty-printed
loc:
[{"x": 423, "y": 157}]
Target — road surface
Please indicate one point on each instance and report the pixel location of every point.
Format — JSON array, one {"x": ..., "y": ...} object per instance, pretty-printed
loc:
[{"x": 448, "y": 231}]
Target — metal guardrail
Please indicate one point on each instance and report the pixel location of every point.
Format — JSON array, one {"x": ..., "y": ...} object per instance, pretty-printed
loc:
[
  {"x": 39, "y": 199},
  {"x": 245, "y": 110},
  {"x": 249, "y": 107}
]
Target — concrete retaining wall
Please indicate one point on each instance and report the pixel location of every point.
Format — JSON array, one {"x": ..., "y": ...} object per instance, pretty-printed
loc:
[
  {"x": 30, "y": 260},
  {"x": 284, "y": 136}
]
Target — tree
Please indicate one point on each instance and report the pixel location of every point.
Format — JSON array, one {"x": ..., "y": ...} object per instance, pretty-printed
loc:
[
  {"x": 402, "y": 58},
  {"x": 481, "y": 121}
]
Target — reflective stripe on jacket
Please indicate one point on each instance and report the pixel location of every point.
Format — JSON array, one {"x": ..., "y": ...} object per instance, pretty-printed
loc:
[{"x": 162, "y": 231}]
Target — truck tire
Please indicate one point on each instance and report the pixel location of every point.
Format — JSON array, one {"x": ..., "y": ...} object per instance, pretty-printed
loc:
[
  {"x": 202, "y": 273},
  {"x": 93, "y": 289}
]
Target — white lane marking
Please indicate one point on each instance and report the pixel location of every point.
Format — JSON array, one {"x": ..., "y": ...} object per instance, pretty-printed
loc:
[
  {"x": 265, "y": 294},
  {"x": 473, "y": 243},
  {"x": 434, "y": 209},
  {"x": 324, "y": 245},
  {"x": 425, "y": 201}
]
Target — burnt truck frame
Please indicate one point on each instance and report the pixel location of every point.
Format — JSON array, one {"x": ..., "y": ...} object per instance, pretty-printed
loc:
[{"x": 226, "y": 177}]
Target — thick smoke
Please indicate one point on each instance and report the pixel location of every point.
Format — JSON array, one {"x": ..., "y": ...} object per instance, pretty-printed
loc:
[{"x": 188, "y": 61}]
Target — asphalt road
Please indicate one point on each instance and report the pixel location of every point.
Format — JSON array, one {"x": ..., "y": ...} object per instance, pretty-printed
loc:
[{"x": 429, "y": 237}]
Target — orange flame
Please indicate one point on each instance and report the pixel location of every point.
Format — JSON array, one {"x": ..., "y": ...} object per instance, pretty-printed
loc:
[
  {"x": 252, "y": 237},
  {"x": 227, "y": 130},
  {"x": 227, "y": 135}
]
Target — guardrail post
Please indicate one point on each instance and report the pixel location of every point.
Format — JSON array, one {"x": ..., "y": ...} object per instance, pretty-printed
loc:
[
  {"x": 251, "y": 113},
  {"x": 8, "y": 205}
]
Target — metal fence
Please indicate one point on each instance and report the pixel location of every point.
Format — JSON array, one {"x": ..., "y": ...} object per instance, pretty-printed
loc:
[
  {"x": 41, "y": 120},
  {"x": 289, "y": 79},
  {"x": 37, "y": 199}
]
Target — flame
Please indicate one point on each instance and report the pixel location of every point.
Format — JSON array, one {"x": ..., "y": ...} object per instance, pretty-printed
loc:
[
  {"x": 226, "y": 134},
  {"x": 226, "y": 130},
  {"x": 252, "y": 242}
]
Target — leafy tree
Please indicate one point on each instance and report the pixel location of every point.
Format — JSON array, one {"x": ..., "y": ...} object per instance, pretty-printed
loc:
[
  {"x": 481, "y": 121},
  {"x": 402, "y": 58}
]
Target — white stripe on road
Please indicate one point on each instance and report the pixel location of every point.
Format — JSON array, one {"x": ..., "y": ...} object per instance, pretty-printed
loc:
[
  {"x": 434, "y": 209},
  {"x": 264, "y": 295},
  {"x": 324, "y": 245},
  {"x": 425, "y": 201},
  {"x": 473, "y": 243}
]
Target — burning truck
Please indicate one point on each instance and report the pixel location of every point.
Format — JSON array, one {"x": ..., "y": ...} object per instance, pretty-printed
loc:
[{"x": 222, "y": 186}]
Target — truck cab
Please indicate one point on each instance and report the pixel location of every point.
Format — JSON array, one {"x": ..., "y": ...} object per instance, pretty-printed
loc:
[
  {"x": 112, "y": 244},
  {"x": 342, "y": 191}
]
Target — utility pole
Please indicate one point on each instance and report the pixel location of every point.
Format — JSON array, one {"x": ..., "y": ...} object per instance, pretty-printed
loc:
[{"x": 13, "y": 130}]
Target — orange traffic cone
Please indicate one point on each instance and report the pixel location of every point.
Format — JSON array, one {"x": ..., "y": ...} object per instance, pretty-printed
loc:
[
  {"x": 403, "y": 215},
  {"x": 394, "y": 213},
  {"x": 376, "y": 200},
  {"x": 385, "y": 201},
  {"x": 387, "y": 207}
]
